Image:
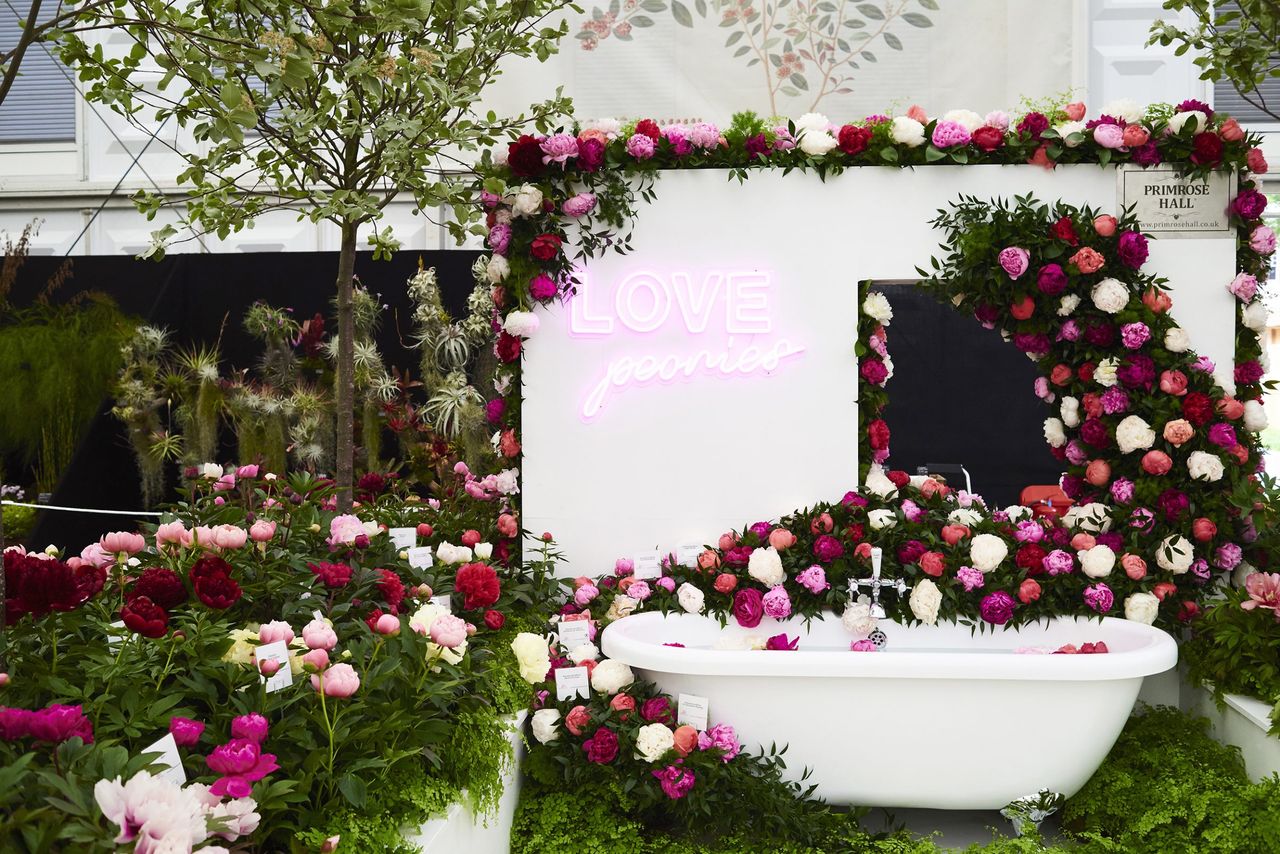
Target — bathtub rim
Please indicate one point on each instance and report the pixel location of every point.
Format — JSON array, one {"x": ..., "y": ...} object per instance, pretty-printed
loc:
[{"x": 623, "y": 640}]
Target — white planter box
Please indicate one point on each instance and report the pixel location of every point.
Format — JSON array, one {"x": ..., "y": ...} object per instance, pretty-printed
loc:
[
  {"x": 460, "y": 829},
  {"x": 1244, "y": 723}
]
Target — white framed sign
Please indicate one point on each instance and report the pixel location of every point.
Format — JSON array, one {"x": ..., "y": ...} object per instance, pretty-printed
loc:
[{"x": 1170, "y": 205}]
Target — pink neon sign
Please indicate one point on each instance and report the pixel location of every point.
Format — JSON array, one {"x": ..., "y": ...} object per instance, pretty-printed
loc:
[{"x": 723, "y": 314}]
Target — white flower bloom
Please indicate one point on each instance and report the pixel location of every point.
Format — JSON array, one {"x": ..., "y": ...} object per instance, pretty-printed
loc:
[
  {"x": 1066, "y": 129},
  {"x": 211, "y": 471},
  {"x": 882, "y": 519},
  {"x": 1255, "y": 416},
  {"x": 925, "y": 601},
  {"x": 1110, "y": 295},
  {"x": 1097, "y": 562},
  {"x": 967, "y": 119},
  {"x": 1070, "y": 410},
  {"x": 816, "y": 142},
  {"x": 611, "y": 676},
  {"x": 812, "y": 121},
  {"x": 1093, "y": 518},
  {"x": 878, "y": 484},
  {"x": 545, "y": 725},
  {"x": 857, "y": 618},
  {"x": 876, "y": 306},
  {"x": 1176, "y": 340},
  {"x": 1017, "y": 512},
  {"x": 1141, "y": 608},
  {"x": 1174, "y": 554},
  {"x": 765, "y": 566},
  {"x": 1204, "y": 466},
  {"x": 690, "y": 598},
  {"x": 610, "y": 126},
  {"x": 1054, "y": 432},
  {"x": 987, "y": 551},
  {"x": 1124, "y": 108},
  {"x": 1254, "y": 315},
  {"x": 907, "y": 131},
  {"x": 1105, "y": 373},
  {"x": 522, "y": 324},
  {"x": 586, "y": 652},
  {"x": 1195, "y": 117},
  {"x": 532, "y": 654},
  {"x": 1069, "y": 303},
  {"x": 1134, "y": 434},
  {"x": 526, "y": 200},
  {"x": 652, "y": 741},
  {"x": 507, "y": 482},
  {"x": 964, "y": 516},
  {"x": 484, "y": 551},
  {"x": 1241, "y": 573},
  {"x": 621, "y": 606}
]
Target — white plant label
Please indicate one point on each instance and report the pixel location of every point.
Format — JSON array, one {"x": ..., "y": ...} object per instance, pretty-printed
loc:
[
  {"x": 169, "y": 760},
  {"x": 692, "y": 710},
  {"x": 648, "y": 564},
  {"x": 442, "y": 602},
  {"x": 278, "y": 652},
  {"x": 403, "y": 538},
  {"x": 687, "y": 555},
  {"x": 420, "y": 557},
  {"x": 573, "y": 634},
  {"x": 572, "y": 682}
]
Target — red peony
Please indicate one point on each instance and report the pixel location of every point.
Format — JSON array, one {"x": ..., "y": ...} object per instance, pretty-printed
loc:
[
  {"x": 372, "y": 620},
  {"x": 649, "y": 128},
  {"x": 494, "y": 619},
  {"x": 208, "y": 566},
  {"x": 988, "y": 138},
  {"x": 162, "y": 586},
  {"x": 1065, "y": 230},
  {"x": 524, "y": 157},
  {"x": 545, "y": 246},
  {"x": 854, "y": 140},
  {"x": 878, "y": 434},
  {"x": 478, "y": 583},
  {"x": 332, "y": 574},
  {"x": 1031, "y": 558},
  {"x": 507, "y": 349},
  {"x": 1206, "y": 149},
  {"x": 900, "y": 478},
  {"x": 1197, "y": 408},
  {"x": 145, "y": 617},
  {"x": 38, "y": 586},
  {"x": 391, "y": 588},
  {"x": 218, "y": 591}
]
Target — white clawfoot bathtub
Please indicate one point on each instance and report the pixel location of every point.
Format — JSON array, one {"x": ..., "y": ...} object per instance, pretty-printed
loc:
[{"x": 943, "y": 717}]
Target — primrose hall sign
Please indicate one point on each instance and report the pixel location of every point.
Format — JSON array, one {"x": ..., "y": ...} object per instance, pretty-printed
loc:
[{"x": 1168, "y": 204}]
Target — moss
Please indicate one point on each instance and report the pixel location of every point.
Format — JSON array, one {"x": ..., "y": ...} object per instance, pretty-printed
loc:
[{"x": 478, "y": 756}]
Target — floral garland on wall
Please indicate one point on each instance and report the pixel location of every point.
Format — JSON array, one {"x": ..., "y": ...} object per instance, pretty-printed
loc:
[{"x": 545, "y": 188}]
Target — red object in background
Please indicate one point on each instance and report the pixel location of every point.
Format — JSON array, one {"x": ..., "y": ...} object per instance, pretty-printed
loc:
[{"x": 1046, "y": 500}]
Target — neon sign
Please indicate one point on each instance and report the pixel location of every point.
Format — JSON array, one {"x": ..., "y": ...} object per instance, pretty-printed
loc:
[{"x": 723, "y": 314}]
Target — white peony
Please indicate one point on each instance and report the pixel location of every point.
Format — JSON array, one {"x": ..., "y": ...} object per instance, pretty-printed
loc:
[
  {"x": 1110, "y": 295},
  {"x": 584, "y": 652},
  {"x": 546, "y": 727},
  {"x": 1254, "y": 315},
  {"x": 967, "y": 119},
  {"x": 1066, "y": 129},
  {"x": 986, "y": 551},
  {"x": 765, "y": 566},
  {"x": 211, "y": 471},
  {"x": 1054, "y": 432},
  {"x": 1174, "y": 554},
  {"x": 484, "y": 551},
  {"x": 816, "y": 142},
  {"x": 964, "y": 516},
  {"x": 876, "y": 306},
  {"x": 610, "y": 126},
  {"x": 925, "y": 601},
  {"x": 1097, "y": 562},
  {"x": 1204, "y": 466},
  {"x": 526, "y": 200},
  {"x": 691, "y": 598},
  {"x": 1093, "y": 518},
  {"x": 882, "y": 519},
  {"x": 1176, "y": 340},
  {"x": 1069, "y": 304},
  {"x": 621, "y": 606},
  {"x": 497, "y": 268},
  {"x": 1070, "y": 410},
  {"x": 1105, "y": 374},
  {"x": 1141, "y": 608},
  {"x": 878, "y": 483},
  {"x": 1134, "y": 434},
  {"x": 857, "y": 618},
  {"x": 611, "y": 676},
  {"x": 907, "y": 131},
  {"x": 1241, "y": 573},
  {"x": 653, "y": 741},
  {"x": 1124, "y": 108},
  {"x": 1255, "y": 416},
  {"x": 533, "y": 655},
  {"x": 521, "y": 324},
  {"x": 1017, "y": 512},
  {"x": 447, "y": 553},
  {"x": 812, "y": 121},
  {"x": 1197, "y": 119}
]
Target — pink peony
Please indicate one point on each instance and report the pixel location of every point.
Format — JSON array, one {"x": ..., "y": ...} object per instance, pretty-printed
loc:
[
  {"x": 174, "y": 533},
  {"x": 1264, "y": 591},
  {"x": 947, "y": 134},
  {"x": 343, "y": 530},
  {"x": 777, "y": 604},
  {"x": 675, "y": 780},
  {"x": 1244, "y": 287},
  {"x": 579, "y": 205},
  {"x": 276, "y": 630},
  {"x": 262, "y": 531},
  {"x": 448, "y": 631},
  {"x": 640, "y": 147},
  {"x": 318, "y": 634},
  {"x": 123, "y": 542},
  {"x": 559, "y": 147},
  {"x": 720, "y": 737},
  {"x": 864, "y": 645},
  {"x": 387, "y": 625},
  {"x": 241, "y": 763},
  {"x": 814, "y": 579},
  {"x": 251, "y": 727},
  {"x": 340, "y": 680},
  {"x": 1014, "y": 261},
  {"x": 186, "y": 731},
  {"x": 1109, "y": 136},
  {"x": 1262, "y": 240}
]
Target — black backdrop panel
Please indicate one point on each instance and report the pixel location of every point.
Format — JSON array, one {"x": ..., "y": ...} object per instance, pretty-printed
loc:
[
  {"x": 960, "y": 394},
  {"x": 202, "y": 299}
]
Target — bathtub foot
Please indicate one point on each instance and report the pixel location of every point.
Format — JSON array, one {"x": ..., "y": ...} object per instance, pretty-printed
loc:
[{"x": 1028, "y": 811}]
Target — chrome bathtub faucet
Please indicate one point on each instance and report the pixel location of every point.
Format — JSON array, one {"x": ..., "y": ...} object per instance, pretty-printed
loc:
[{"x": 875, "y": 583}]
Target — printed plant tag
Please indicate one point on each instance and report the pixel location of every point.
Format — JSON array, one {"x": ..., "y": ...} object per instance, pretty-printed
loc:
[
  {"x": 572, "y": 682},
  {"x": 279, "y": 653},
  {"x": 169, "y": 760},
  {"x": 420, "y": 557},
  {"x": 442, "y": 601},
  {"x": 573, "y": 634},
  {"x": 687, "y": 555},
  {"x": 692, "y": 710},
  {"x": 648, "y": 564},
  {"x": 403, "y": 538}
]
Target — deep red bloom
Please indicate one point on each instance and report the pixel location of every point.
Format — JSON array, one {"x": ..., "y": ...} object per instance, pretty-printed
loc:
[
  {"x": 162, "y": 586},
  {"x": 649, "y": 128},
  {"x": 590, "y": 155},
  {"x": 898, "y": 477},
  {"x": 854, "y": 140},
  {"x": 332, "y": 574},
  {"x": 372, "y": 620},
  {"x": 371, "y": 485},
  {"x": 524, "y": 157},
  {"x": 1197, "y": 408},
  {"x": 218, "y": 591},
  {"x": 145, "y": 617},
  {"x": 494, "y": 619},
  {"x": 988, "y": 138},
  {"x": 1206, "y": 149},
  {"x": 1065, "y": 230},
  {"x": 37, "y": 586},
  {"x": 207, "y": 567},
  {"x": 1031, "y": 558},
  {"x": 1033, "y": 124},
  {"x": 478, "y": 583},
  {"x": 545, "y": 246},
  {"x": 507, "y": 349},
  {"x": 878, "y": 434},
  {"x": 391, "y": 588}
]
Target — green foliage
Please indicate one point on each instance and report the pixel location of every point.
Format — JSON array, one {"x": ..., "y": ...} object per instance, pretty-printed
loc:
[
  {"x": 478, "y": 754},
  {"x": 1234, "y": 651},
  {"x": 1235, "y": 43},
  {"x": 19, "y": 522}
]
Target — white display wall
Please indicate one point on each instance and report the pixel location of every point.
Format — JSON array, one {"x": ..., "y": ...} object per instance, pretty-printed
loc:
[{"x": 708, "y": 378}]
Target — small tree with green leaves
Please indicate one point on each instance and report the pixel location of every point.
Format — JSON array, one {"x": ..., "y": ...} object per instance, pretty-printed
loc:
[
  {"x": 1237, "y": 42},
  {"x": 328, "y": 109}
]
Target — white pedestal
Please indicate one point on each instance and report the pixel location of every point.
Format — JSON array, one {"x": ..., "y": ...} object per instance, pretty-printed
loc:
[{"x": 1244, "y": 722}]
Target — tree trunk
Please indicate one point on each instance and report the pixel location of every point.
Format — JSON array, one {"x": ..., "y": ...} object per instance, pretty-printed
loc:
[{"x": 346, "y": 368}]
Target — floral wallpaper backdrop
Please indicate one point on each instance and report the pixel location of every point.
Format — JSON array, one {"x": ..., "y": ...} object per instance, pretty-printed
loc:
[{"x": 706, "y": 59}]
